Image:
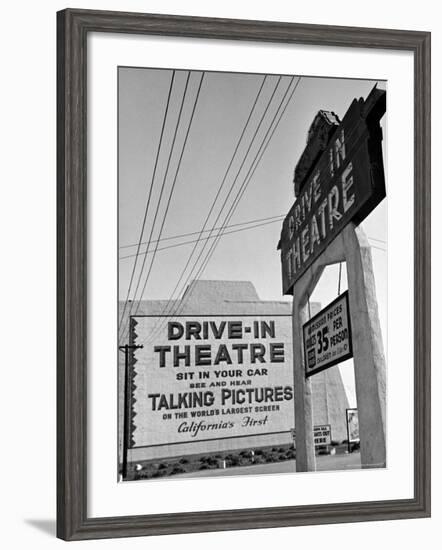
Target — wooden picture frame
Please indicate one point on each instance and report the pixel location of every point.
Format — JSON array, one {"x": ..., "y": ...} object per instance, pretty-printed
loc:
[{"x": 73, "y": 27}]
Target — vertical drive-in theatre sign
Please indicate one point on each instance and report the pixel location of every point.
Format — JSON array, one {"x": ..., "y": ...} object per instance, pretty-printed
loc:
[
  {"x": 210, "y": 379},
  {"x": 327, "y": 337},
  {"x": 339, "y": 178}
]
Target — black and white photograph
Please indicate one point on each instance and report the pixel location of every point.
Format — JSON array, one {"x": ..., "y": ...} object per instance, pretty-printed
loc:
[
  {"x": 252, "y": 274},
  {"x": 218, "y": 255}
]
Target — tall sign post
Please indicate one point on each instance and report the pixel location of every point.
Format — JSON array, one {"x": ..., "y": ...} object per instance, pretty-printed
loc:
[
  {"x": 127, "y": 406},
  {"x": 339, "y": 180}
]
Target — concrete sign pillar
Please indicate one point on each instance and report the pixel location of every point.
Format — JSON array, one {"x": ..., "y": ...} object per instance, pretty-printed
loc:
[
  {"x": 305, "y": 447},
  {"x": 351, "y": 246},
  {"x": 368, "y": 349}
]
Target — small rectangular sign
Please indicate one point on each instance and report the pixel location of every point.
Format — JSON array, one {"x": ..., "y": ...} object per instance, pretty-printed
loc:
[
  {"x": 322, "y": 434},
  {"x": 352, "y": 425},
  {"x": 327, "y": 337}
]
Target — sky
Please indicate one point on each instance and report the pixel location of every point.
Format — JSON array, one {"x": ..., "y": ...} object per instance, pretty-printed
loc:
[{"x": 223, "y": 107}]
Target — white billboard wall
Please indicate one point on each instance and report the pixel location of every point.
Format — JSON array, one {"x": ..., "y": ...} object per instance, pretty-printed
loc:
[{"x": 210, "y": 383}]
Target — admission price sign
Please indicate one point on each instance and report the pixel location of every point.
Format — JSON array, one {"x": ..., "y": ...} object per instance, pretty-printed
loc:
[{"x": 327, "y": 337}]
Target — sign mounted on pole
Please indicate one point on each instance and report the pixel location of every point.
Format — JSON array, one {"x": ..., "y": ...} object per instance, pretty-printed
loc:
[
  {"x": 327, "y": 337},
  {"x": 339, "y": 179},
  {"x": 322, "y": 435},
  {"x": 352, "y": 425}
]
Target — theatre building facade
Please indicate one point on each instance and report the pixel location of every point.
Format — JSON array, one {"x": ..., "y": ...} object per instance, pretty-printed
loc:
[{"x": 215, "y": 374}]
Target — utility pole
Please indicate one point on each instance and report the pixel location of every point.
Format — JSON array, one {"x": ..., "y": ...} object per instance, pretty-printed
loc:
[{"x": 127, "y": 390}]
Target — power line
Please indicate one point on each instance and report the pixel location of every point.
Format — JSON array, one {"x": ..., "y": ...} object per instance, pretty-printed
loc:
[
  {"x": 230, "y": 212},
  {"x": 259, "y": 154},
  {"x": 149, "y": 195},
  {"x": 251, "y": 172},
  {"x": 248, "y": 177},
  {"x": 215, "y": 243},
  {"x": 212, "y": 236},
  {"x": 170, "y": 196},
  {"x": 205, "y": 231},
  {"x": 378, "y": 248},
  {"x": 379, "y": 240},
  {"x": 173, "y": 187},
  {"x": 161, "y": 193},
  {"x": 181, "y": 235},
  {"x": 211, "y": 251},
  {"x": 228, "y": 193},
  {"x": 224, "y": 180},
  {"x": 240, "y": 192}
]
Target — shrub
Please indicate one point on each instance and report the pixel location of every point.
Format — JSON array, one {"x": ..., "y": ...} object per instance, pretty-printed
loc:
[
  {"x": 184, "y": 461},
  {"x": 234, "y": 461},
  {"x": 178, "y": 470},
  {"x": 162, "y": 466},
  {"x": 143, "y": 475}
]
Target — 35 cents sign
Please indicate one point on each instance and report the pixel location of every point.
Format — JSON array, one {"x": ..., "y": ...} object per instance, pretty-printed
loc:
[{"x": 327, "y": 337}]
